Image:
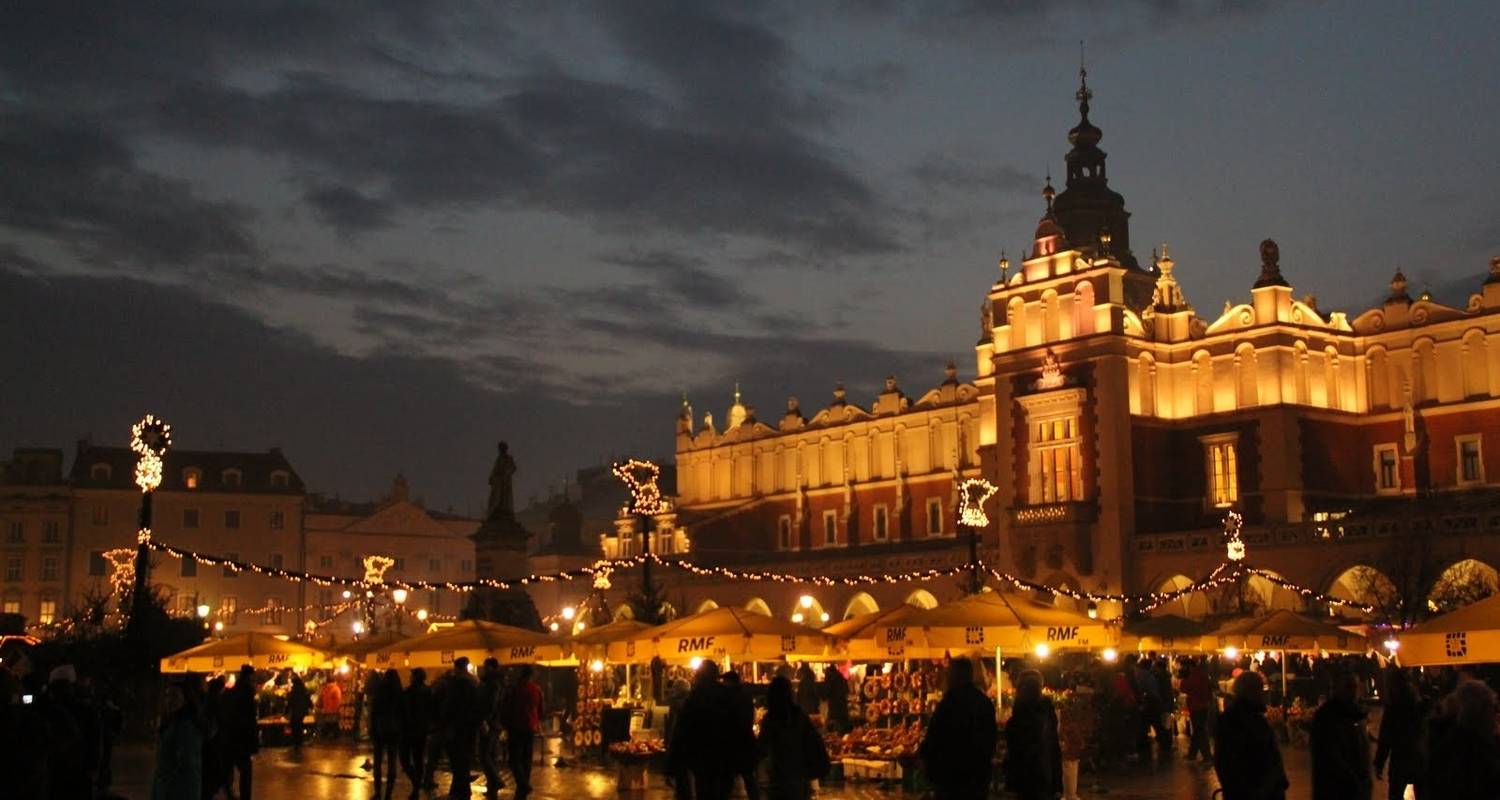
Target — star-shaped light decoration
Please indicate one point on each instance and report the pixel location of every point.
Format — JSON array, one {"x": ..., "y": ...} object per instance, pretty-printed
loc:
[
  {"x": 375, "y": 567},
  {"x": 149, "y": 439},
  {"x": 1233, "y": 544},
  {"x": 640, "y": 477},
  {"x": 972, "y": 495}
]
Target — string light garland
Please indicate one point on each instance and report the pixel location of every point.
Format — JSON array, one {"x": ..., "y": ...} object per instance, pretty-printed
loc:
[
  {"x": 121, "y": 561},
  {"x": 1234, "y": 546},
  {"x": 149, "y": 440},
  {"x": 375, "y": 568},
  {"x": 972, "y": 495},
  {"x": 641, "y": 476}
]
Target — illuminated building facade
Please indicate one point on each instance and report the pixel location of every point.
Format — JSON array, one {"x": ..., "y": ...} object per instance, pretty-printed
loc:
[{"x": 1120, "y": 425}]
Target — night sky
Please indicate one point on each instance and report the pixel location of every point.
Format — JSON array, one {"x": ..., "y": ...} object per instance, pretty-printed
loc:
[{"x": 384, "y": 235}]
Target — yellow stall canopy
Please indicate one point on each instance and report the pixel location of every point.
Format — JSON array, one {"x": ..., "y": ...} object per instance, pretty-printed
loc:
[
  {"x": 359, "y": 650},
  {"x": 723, "y": 632},
  {"x": 854, "y": 638},
  {"x": 475, "y": 639},
  {"x": 1283, "y": 630},
  {"x": 1469, "y": 635},
  {"x": 606, "y": 641},
  {"x": 1167, "y": 633},
  {"x": 980, "y": 623},
  {"x": 260, "y": 650}
]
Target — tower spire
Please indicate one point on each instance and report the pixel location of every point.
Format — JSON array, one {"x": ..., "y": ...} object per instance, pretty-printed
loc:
[{"x": 1083, "y": 94}]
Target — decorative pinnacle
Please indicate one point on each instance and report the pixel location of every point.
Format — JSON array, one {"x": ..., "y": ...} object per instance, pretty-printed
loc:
[{"x": 1083, "y": 94}]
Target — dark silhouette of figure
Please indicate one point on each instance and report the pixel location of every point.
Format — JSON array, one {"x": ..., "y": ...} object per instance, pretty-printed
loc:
[
  {"x": 523, "y": 721},
  {"x": 460, "y": 721},
  {"x": 73, "y": 735},
  {"x": 416, "y": 724},
  {"x": 792, "y": 747},
  {"x": 241, "y": 731},
  {"x": 23, "y": 758},
  {"x": 1246, "y": 756},
  {"x": 1400, "y": 739},
  {"x": 179, "y": 750},
  {"x": 216, "y": 768},
  {"x": 960, "y": 744},
  {"x": 502, "y": 495},
  {"x": 836, "y": 694},
  {"x": 1339, "y": 745},
  {"x": 677, "y": 695},
  {"x": 807, "y": 690},
  {"x": 1033, "y": 755},
  {"x": 699, "y": 742},
  {"x": 491, "y": 695},
  {"x": 298, "y": 703},
  {"x": 1463, "y": 749},
  {"x": 1198, "y": 691},
  {"x": 741, "y": 734},
  {"x": 385, "y": 729}
]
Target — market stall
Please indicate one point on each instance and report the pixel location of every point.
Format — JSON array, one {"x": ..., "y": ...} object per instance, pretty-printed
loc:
[
  {"x": 477, "y": 640},
  {"x": 1167, "y": 633},
  {"x": 1469, "y": 635},
  {"x": 259, "y": 650},
  {"x": 722, "y": 634},
  {"x": 1284, "y": 632}
]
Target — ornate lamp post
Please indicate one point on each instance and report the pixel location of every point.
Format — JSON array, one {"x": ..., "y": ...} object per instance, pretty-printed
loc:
[
  {"x": 640, "y": 477},
  {"x": 150, "y": 438},
  {"x": 972, "y": 494}
]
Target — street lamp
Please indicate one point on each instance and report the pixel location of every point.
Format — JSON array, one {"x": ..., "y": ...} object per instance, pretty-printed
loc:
[
  {"x": 399, "y": 595},
  {"x": 203, "y": 610},
  {"x": 640, "y": 477},
  {"x": 358, "y": 627},
  {"x": 806, "y": 601},
  {"x": 569, "y": 612},
  {"x": 971, "y": 496},
  {"x": 421, "y": 615}
]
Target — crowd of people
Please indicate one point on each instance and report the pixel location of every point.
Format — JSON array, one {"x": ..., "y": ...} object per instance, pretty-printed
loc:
[{"x": 58, "y": 735}]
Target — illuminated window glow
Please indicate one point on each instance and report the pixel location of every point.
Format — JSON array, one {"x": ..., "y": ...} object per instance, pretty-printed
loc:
[
  {"x": 1057, "y": 461},
  {"x": 1223, "y": 471}
]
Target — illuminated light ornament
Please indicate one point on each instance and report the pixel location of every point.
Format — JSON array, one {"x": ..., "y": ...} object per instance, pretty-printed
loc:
[
  {"x": 1052, "y": 376},
  {"x": 148, "y": 472},
  {"x": 1232, "y": 653},
  {"x": 1392, "y": 645},
  {"x": 121, "y": 562},
  {"x": 1110, "y": 655},
  {"x": 1234, "y": 545},
  {"x": 972, "y": 495},
  {"x": 695, "y": 662},
  {"x": 375, "y": 567},
  {"x": 640, "y": 477},
  {"x": 601, "y": 579},
  {"x": 596, "y": 666},
  {"x": 150, "y": 436},
  {"x": 1042, "y": 650},
  {"x": 421, "y": 615}
]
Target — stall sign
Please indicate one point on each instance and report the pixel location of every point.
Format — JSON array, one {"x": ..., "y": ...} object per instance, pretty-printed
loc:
[
  {"x": 788, "y": 644},
  {"x": 1062, "y": 634},
  {"x": 1456, "y": 644},
  {"x": 688, "y": 644},
  {"x": 522, "y": 652},
  {"x": 446, "y": 657},
  {"x": 974, "y": 634}
]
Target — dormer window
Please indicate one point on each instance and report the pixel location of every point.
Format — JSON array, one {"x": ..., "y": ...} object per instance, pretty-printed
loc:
[
  {"x": 191, "y": 477},
  {"x": 101, "y": 472},
  {"x": 281, "y": 479},
  {"x": 231, "y": 477}
]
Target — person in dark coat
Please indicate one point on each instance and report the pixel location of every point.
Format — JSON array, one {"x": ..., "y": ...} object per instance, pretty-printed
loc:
[
  {"x": 807, "y": 690},
  {"x": 23, "y": 758},
  {"x": 1463, "y": 749},
  {"x": 741, "y": 734},
  {"x": 491, "y": 692},
  {"x": 240, "y": 729},
  {"x": 1246, "y": 756},
  {"x": 1339, "y": 744},
  {"x": 179, "y": 750},
  {"x": 215, "y": 741},
  {"x": 677, "y": 695},
  {"x": 700, "y": 744},
  {"x": 460, "y": 721},
  {"x": 959, "y": 748},
  {"x": 791, "y": 746},
  {"x": 385, "y": 729},
  {"x": 298, "y": 703},
  {"x": 836, "y": 693},
  {"x": 1400, "y": 740},
  {"x": 1199, "y": 693},
  {"x": 416, "y": 721},
  {"x": 1033, "y": 755}
]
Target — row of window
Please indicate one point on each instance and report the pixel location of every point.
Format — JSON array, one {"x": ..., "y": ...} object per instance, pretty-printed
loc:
[
  {"x": 15, "y": 532},
  {"x": 879, "y": 525},
  {"x": 46, "y": 609},
  {"x": 15, "y": 568},
  {"x": 192, "y": 477},
  {"x": 191, "y": 517}
]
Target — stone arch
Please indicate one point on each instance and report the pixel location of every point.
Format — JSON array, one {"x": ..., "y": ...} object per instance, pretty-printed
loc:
[
  {"x": 1464, "y": 581},
  {"x": 1331, "y": 378},
  {"x": 809, "y": 611},
  {"x": 1299, "y": 372},
  {"x": 1476, "y": 364},
  {"x": 1379, "y": 365},
  {"x": 706, "y": 605},
  {"x": 1192, "y": 606},
  {"x": 623, "y": 611},
  {"x": 1271, "y": 596},
  {"x": 1015, "y": 316},
  {"x": 1424, "y": 371},
  {"x": 1083, "y": 308},
  {"x": 1203, "y": 382},
  {"x": 1062, "y": 580},
  {"x": 1246, "y": 378},
  {"x": 755, "y": 605},
  {"x": 1051, "y": 313},
  {"x": 921, "y": 598},
  {"x": 1146, "y": 381},
  {"x": 1365, "y": 584},
  {"x": 861, "y": 603}
]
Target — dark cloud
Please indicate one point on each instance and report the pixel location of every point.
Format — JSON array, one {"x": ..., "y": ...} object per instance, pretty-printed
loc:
[
  {"x": 686, "y": 277},
  {"x": 349, "y": 210},
  {"x": 879, "y": 78},
  {"x": 77, "y": 183},
  {"x": 941, "y": 173}
]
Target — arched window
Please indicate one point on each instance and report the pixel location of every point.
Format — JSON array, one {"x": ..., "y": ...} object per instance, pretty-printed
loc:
[
  {"x": 1247, "y": 382},
  {"x": 1335, "y": 399},
  {"x": 861, "y": 603},
  {"x": 1299, "y": 372},
  {"x": 1379, "y": 378},
  {"x": 755, "y": 605},
  {"x": 1083, "y": 308},
  {"x": 1146, "y": 380},
  {"x": 101, "y": 472},
  {"x": 1476, "y": 365},
  {"x": 1050, "y": 313},
  {"x": 1424, "y": 380},
  {"x": 231, "y": 477},
  {"x": 1203, "y": 382},
  {"x": 281, "y": 479},
  {"x": 1016, "y": 316},
  {"x": 921, "y": 598},
  {"x": 191, "y": 477}
]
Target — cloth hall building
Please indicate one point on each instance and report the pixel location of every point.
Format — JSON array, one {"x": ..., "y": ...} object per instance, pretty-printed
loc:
[{"x": 1120, "y": 423}]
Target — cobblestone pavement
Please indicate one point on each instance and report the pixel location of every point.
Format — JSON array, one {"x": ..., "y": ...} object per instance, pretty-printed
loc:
[{"x": 335, "y": 772}]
